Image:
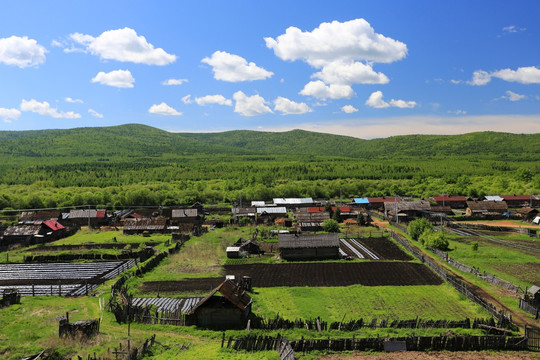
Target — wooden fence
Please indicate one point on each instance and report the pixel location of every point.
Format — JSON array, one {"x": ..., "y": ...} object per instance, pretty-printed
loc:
[
  {"x": 504, "y": 319},
  {"x": 413, "y": 343},
  {"x": 531, "y": 309},
  {"x": 533, "y": 338}
]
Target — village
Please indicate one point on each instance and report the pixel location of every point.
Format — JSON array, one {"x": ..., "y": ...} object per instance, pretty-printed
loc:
[{"x": 284, "y": 243}]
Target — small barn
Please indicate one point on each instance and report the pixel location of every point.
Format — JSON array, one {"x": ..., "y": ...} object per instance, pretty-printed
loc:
[
  {"x": 241, "y": 212},
  {"x": 230, "y": 310},
  {"x": 407, "y": 210},
  {"x": 454, "y": 201},
  {"x": 311, "y": 221},
  {"x": 33, "y": 216},
  {"x": 533, "y": 293},
  {"x": 377, "y": 203},
  {"x": 302, "y": 247},
  {"x": 38, "y": 232},
  {"x": 517, "y": 201},
  {"x": 267, "y": 215},
  {"x": 527, "y": 213},
  {"x": 93, "y": 218}
]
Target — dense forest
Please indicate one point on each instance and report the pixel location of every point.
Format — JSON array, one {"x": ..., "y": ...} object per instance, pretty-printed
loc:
[{"x": 140, "y": 165}]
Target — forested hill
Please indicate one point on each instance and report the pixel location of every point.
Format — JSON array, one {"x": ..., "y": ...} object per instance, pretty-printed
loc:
[{"x": 133, "y": 140}]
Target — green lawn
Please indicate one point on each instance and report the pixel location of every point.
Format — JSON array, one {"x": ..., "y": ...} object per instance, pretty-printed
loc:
[{"x": 357, "y": 301}]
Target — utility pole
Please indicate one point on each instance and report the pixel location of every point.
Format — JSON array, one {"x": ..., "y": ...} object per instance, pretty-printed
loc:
[
  {"x": 443, "y": 198},
  {"x": 395, "y": 209},
  {"x": 88, "y": 217}
]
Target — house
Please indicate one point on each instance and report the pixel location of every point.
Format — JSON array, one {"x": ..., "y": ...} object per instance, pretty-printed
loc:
[
  {"x": 230, "y": 310},
  {"x": 527, "y": 213},
  {"x": 239, "y": 213},
  {"x": 377, "y": 203},
  {"x": 482, "y": 208},
  {"x": 267, "y": 215},
  {"x": 301, "y": 247},
  {"x": 146, "y": 225},
  {"x": 455, "y": 202},
  {"x": 33, "y": 216},
  {"x": 88, "y": 217},
  {"x": 361, "y": 202},
  {"x": 517, "y": 201},
  {"x": 29, "y": 234},
  {"x": 407, "y": 210},
  {"x": 187, "y": 220},
  {"x": 439, "y": 209}
]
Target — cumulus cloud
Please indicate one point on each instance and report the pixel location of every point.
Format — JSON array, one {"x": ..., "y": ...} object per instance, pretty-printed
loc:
[
  {"x": 43, "y": 108},
  {"x": 512, "y": 96},
  {"x": 350, "y": 40},
  {"x": 21, "y": 51},
  {"x": 163, "y": 109},
  {"x": 250, "y": 105},
  {"x": 348, "y": 73},
  {"x": 73, "y": 101},
  {"x": 523, "y": 75},
  {"x": 116, "y": 78},
  {"x": 287, "y": 107},
  {"x": 8, "y": 115},
  {"x": 95, "y": 113},
  {"x": 172, "y": 82},
  {"x": 344, "y": 51},
  {"x": 376, "y": 101},
  {"x": 213, "y": 99},
  {"x": 123, "y": 45},
  {"x": 234, "y": 68},
  {"x": 320, "y": 90},
  {"x": 349, "y": 109}
]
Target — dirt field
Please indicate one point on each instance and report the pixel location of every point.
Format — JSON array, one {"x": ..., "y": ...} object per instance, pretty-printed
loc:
[
  {"x": 435, "y": 355},
  {"x": 379, "y": 273},
  {"x": 385, "y": 249}
]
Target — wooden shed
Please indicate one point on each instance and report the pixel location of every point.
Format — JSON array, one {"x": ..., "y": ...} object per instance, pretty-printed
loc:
[
  {"x": 140, "y": 226},
  {"x": 301, "y": 247},
  {"x": 407, "y": 210},
  {"x": 230, "y": 310}
]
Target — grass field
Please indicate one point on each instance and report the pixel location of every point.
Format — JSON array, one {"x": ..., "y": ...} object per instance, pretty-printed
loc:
[
  {"x": 357, "y": 301},
  {"x": 506, "y": 262}
]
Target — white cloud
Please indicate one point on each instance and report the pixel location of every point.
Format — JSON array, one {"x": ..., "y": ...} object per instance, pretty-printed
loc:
[
  {"x": 350, "y": 40},
  {"x": 349, "y": 109},
  {"x": 116, "y": 78},
  {"x": 320, "y": 90},
  {"x": 43, "y": 108},
  {"x": 187, "y": 99},
  {"x": 287, "y": 107},
  {"x": 163, "y": 109},
  {"x": 7, "y": 115},
  {"x": 523, "y": 75},
  {"x": 512, "y": 96},
  {"x": 21, "y": 51},
  {"x": 348, "y": 73},
  {"x": 213, "y": 99},
  {"x": 123, "y": 45},
  {"x": 71, "y": 100},
  {"x": 95, "y": 113},
  {"x": 171, "y": 82},
  {"x": 513, "y": 29},
  {"x": 455, "y": 82},
  {"x": 480, "y": 77},
  {"x": 250, "y": 105},
  {"x": 234, "y": 68},
  {"x": 376, "y": 101}
]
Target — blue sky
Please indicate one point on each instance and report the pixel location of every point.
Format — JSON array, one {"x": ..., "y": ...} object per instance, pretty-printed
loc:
[{"x": 358, "y": 68}]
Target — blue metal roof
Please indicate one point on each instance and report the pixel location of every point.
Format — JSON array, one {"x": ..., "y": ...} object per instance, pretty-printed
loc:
[{"x": 361, "y": 200}]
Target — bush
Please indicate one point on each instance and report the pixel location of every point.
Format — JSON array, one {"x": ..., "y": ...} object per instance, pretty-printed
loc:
[
  {"x": 330, "y": 225},
  {"x": 434, "y": 239},
  {"x": 417, "y": 227},
  {"x": 474, "y": 245}
]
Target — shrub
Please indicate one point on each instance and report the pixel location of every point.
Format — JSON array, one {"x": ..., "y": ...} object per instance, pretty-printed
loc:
[
  {"x": 434, "y": 239},
  {"x": 330, "y": 225},
  {"x": 474, "y": 245},
  {"x": 417, "y": 227}
]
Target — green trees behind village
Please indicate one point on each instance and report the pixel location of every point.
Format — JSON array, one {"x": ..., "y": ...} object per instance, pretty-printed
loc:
[{"x": 138, "y": 165}]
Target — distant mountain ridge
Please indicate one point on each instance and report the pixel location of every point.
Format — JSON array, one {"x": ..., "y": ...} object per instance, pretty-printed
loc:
[{"x": 135, "y": 140}]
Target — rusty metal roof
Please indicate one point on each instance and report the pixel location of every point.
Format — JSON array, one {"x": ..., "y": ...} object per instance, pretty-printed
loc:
[
  {"x": 185, "y": 213},
  {"x": 86, "y": 213},
  {"x": 487, "y": 205},
  {"x": 22, "y": 230},
  {"x": 145, "y": 224},
  {"x": 53, "y": 225},
  {"x": 39, "y": 215}
]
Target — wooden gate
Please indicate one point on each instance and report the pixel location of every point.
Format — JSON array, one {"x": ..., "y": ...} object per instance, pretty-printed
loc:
[{"x": 533, "y": 338}]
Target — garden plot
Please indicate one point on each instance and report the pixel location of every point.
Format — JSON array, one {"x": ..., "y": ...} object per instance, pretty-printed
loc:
[
  {"x": 59, "y": 278},
  {"x": 372, "y": 249}
]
